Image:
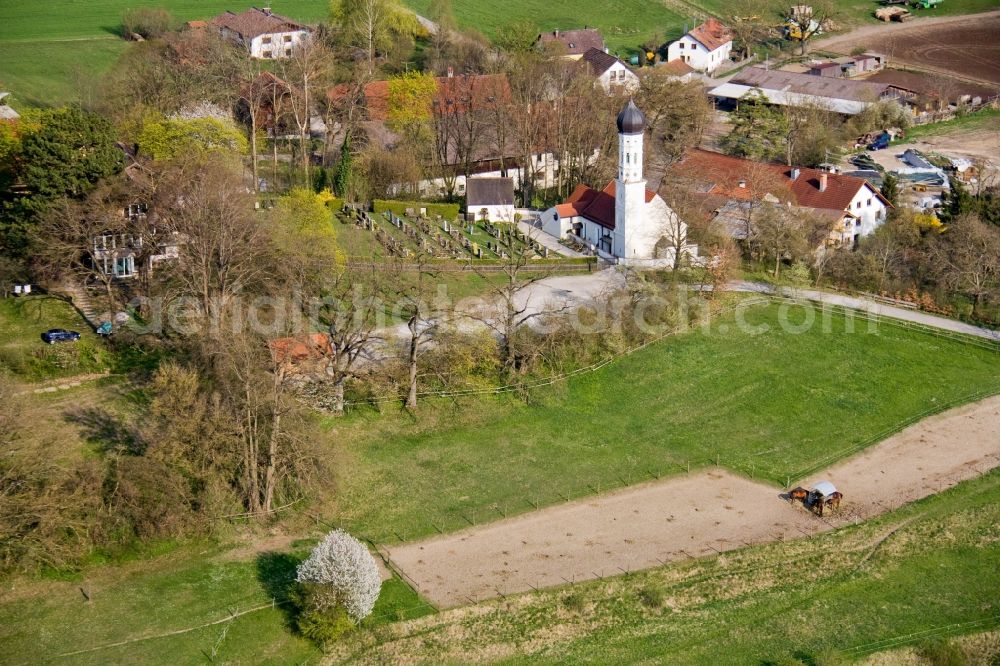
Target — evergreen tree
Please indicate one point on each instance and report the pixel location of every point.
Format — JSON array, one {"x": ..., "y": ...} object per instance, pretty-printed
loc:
[
  {"x": 890, "y": 188},
  {"x": 759, "y": 131}
]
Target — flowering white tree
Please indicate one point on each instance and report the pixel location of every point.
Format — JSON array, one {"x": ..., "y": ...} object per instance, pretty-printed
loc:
[{"x": 344, "y": 574}]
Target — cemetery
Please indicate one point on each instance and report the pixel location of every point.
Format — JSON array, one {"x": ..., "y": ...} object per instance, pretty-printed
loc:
[{"x": 419, "y": 233}]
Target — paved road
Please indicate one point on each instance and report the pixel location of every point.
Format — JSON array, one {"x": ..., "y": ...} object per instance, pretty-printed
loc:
[
  {"x": 867, "y": 305},
  {"x": 547, "y": 240}
]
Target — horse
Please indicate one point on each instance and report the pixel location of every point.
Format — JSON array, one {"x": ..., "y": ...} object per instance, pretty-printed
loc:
[
  {"x": 799, "y": 493},
  {"x": 833, "y": 501}
]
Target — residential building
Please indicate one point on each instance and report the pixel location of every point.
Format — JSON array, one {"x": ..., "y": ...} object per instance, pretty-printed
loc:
[
  {"x": 125, "y": 254},
  {"x": 705, "y": 48},
  {"x": 852, "y": 205},
  {"x": 611, "y": 73},
  {"x": 572, "y": 44},
  {"x": 490, "y": 199},
  {"x": 264, "y": 34}
]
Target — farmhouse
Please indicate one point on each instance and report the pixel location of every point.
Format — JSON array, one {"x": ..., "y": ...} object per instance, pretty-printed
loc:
[
  {"x": 852, "y": 205},
  {"x": 611, "y": 73},
  {"x": 625, "y": 222},
  {"x": 490, "y": 199},
  {"x": 264, "y": 34},
  {"x": 704, "y": 48},
  {"x": 798, "y": 89},
  {"x": 572, "y": 44}
]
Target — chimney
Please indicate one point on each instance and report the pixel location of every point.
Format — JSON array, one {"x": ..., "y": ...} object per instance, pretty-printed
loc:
[
  {"x": 266, "y": 10},
  {"x": 451, "y": 72},
  {"x": 795, "y": 174},
  {"x": 743, "y": 184},
  {"x": 822, "y": 182}
]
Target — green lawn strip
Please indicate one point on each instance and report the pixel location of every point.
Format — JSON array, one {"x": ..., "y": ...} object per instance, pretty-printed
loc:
[
  {"x": 773, "y": 403},
  {"x": 984, "y": 119},
  {"x": 181, "y": 591}
]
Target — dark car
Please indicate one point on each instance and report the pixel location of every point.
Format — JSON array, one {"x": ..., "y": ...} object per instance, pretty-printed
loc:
[{"x": 54, "y": 335}]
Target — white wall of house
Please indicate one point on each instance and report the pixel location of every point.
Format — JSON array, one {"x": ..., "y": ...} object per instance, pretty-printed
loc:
[
  {"x": 619, "y": 76},
  {"x": 695, "y": 54},
  {"x": 271, "y": 46},
  {"x": 869, "y": 213},
  {"x": 498, "y": 213}
]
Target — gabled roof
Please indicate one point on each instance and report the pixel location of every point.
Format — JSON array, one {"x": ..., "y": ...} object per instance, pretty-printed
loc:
[
  {"x": 711, "y": 34},
  {"x": 489, "y": 192},
  {"x": 596, "y": 206},
  {"x": 600, "y": 61},
  {"x": 723, "y": 173},
  {"x": 675, "y": 68},
  {"x": 255, "y": 22},
  {"x": 807, "y": 84},
  {"x": 577, "y": 42}
]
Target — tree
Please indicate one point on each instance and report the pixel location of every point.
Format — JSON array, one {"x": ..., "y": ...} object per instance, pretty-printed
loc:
[
  {"x": 807, "y": 21},
  {"x": 787, "y": 233},
  {"x": 71, "y": 151},
  {"x": 342, "y": 575},
  {"x": 172, "y": 137},
  {"x": 759, "y": 131},
  {"x": 677, "y": 114},
  {"x": 306, "y": 71},
  {"x": 373, "y": 25},
  {"x": 968, "y": 259},
  {"x": 890, "y": 188},
  {"x": 517, "y": 37},
  {"x": 303, "y": 233},
  {"x": 748, "y": 21},
  {"x": 147, "y": 22}
]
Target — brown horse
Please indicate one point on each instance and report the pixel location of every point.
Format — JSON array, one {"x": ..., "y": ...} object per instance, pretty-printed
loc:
[
  {"x": 833, "y": 501},
  {"x": 799, "y": 493}
]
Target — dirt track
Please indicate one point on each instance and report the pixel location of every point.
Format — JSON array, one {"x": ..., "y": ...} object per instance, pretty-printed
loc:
[
  {"x": 711, "y": 511},
  {"x": 965, "y": 46}
]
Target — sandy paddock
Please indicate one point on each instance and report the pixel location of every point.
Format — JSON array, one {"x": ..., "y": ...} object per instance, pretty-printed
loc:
[{"x": 701, "y": 514}]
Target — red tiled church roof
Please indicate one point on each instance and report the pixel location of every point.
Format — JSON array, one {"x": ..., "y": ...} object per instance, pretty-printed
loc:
[{"x": 595, "y": 205}]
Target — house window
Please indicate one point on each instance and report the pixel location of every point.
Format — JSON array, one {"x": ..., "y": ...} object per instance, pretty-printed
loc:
[
  {"x": 267, "y": 54},
  {"x": 858, "y": 205},
  {"x": 287, "y": 38},
  {"x": 869, "y": 202},
  {"x": 265, "y": 40},
  {"x": 288, "y": 53}
]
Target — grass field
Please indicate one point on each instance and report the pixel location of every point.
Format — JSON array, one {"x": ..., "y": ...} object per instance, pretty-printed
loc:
[
  {"x": 186, "y": 588},
  {"x": 772, "y": 403},
  {"x": 856, "y": 12},
  {"x": 777, "y": 400},
  {"x": 27, "y": 358},
  {"x": 929, "y": 565},
  {"x": 985, "y": 119}
]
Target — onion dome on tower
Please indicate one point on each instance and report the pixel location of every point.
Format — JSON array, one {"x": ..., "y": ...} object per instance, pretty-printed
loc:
[{"x": 631, "y": 120}]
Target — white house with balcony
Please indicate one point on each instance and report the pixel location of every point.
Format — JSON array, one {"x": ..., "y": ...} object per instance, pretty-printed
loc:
[
  {"x": 264, "y": 34},
  {"x": 705, "y": 48}
]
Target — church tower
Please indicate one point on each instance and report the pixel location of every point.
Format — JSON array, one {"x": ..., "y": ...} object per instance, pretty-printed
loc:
[{"x": 630, "y": 186}]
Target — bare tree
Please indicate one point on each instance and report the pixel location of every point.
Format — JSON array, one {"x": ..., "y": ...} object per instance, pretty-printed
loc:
[
  {"x": 969, "y": 259},
  {"x": 807, "y": 21},
  {"x": 307, "y": 70}
]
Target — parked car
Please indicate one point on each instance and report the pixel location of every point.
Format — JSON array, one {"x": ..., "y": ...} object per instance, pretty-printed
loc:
[{"x": 54, "y": 335}]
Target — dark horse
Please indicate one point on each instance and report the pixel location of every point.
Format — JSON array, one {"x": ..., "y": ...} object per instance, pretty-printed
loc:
[
  {"x": 832, "y": 500},
  {"x": 799, "y": 493}
]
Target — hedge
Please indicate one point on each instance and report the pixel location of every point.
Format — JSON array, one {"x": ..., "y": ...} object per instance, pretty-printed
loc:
[{"x": 448, "y": 211}]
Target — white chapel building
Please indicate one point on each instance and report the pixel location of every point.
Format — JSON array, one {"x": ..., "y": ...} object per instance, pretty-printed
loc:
[{"x": 625, "y": 222}]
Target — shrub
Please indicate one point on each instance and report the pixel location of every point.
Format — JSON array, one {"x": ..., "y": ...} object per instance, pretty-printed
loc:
[
  {"x": 339, "y": 574},
  {"x": 147, "y": 22},
  {"x": 652, "y": 597},
  {"x": 574, "y": 602}
]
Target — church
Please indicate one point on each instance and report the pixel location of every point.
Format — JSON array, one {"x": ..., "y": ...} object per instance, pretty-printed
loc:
[{"x": 624, "y": 223}]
